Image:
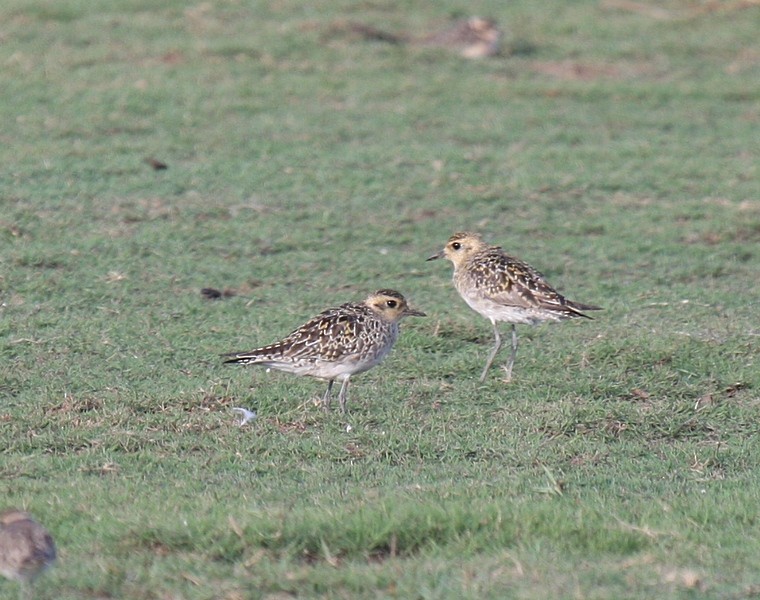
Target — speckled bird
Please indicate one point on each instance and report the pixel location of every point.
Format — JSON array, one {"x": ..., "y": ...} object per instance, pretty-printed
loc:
[
  {"x": 503, "y": 288},
  {"x": 337, "y": 343},
  {"x": 475, "y": 37},
  {"x": 26, "y": 548}
]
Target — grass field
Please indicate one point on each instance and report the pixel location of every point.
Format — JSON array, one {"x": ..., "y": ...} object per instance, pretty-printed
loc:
[{"x": 615, "y": 146}]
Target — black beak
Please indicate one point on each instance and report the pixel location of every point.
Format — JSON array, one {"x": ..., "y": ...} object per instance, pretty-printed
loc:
[{"x": 439, "y": 255}]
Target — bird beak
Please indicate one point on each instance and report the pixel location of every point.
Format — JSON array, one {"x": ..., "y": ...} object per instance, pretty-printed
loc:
[
  {"x": 435, "y": 256},
  {"x": 413, "y": 312}
]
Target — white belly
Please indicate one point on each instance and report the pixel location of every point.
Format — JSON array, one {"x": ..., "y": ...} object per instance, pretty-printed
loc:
[
  {"x": 323, "y": 369},
  {"x": 509, "y": 314}
]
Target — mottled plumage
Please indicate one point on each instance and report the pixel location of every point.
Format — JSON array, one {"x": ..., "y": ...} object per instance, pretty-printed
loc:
[
  {"x": 337, "y": 343},
  {"x": 26, "y": 548},
  {"x": 475, "y": 37},
  {"x": 503, "y": 288}
]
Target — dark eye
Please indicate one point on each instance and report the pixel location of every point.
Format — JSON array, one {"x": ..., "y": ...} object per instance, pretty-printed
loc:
[
  {"x": 392, "y": 303},
  {"x": 456, "y": 245}
]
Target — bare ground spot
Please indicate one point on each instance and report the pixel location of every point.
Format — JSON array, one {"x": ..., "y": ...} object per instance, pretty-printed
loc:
[{"x": 573, "y": 70}]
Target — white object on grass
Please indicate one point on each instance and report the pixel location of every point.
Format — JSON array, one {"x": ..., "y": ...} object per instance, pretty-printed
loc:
[{"x": 248, "y": 415}]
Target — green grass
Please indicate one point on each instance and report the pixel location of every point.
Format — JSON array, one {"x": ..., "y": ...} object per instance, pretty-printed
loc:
[{"x": 615, "y": 152}]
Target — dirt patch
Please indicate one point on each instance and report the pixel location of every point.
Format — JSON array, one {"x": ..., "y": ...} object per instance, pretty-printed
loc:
[{"x": 573, "y": 70}]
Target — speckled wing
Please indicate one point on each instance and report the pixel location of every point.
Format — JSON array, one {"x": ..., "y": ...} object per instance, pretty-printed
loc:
[
  {"x": 329, "y": 336},
  {"x": 510, "y": 281}
]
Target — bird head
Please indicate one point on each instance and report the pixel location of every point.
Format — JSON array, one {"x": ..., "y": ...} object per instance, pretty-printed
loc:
[
  {"x": 391, "y": 305},
  {"x": 460, "y": 247}
]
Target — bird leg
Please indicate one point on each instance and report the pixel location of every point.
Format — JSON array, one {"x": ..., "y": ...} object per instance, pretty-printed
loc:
[
  {"x": 512, "y": 356},
  {"x": 495, "y": 349},
  {"x": 326, "y": 397},
  {"x": 342, "y": 395}
]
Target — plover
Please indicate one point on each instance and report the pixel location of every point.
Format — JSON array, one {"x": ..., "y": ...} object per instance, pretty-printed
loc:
[
  {"x": 503, "y": 288},
  {"x": 337, "y": 343}
]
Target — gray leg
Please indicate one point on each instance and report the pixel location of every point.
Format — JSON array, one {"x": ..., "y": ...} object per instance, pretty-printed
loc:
[
  {"x": 491, "y": 356},
  {"x": 513, "y": 355},
  {"x": 342, "y": 395},
  {"x": 326, "y": 397}
]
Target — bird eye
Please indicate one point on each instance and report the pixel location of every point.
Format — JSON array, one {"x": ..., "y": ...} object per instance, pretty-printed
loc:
[
  {"x": 392, "y": 303},
  {"x": 456, "y": 245}
]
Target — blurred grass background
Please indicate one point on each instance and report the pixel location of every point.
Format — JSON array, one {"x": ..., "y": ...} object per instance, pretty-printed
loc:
[{"x": 613, "y": 145}]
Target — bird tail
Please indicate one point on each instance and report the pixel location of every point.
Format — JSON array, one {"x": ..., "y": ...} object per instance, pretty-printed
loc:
[
  {"x": 577, "y": 308},
  {"x": 266, "y": 354},
  {"x": 241, "y": 358},
  {"x": 581, "y": 306}
]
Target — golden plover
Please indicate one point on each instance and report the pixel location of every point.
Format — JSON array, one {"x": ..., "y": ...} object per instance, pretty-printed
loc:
[
  {"x": 503, "y": 288},
  {"x": 337, "y": 343},
  {"x": 475, "y": 37},
  {"x": 26, "y": 548}
]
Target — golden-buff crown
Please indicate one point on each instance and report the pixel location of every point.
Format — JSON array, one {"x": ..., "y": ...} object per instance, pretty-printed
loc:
[
  {"x": 461, "y": 247},
  {"x": 391, "y": 305}
]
